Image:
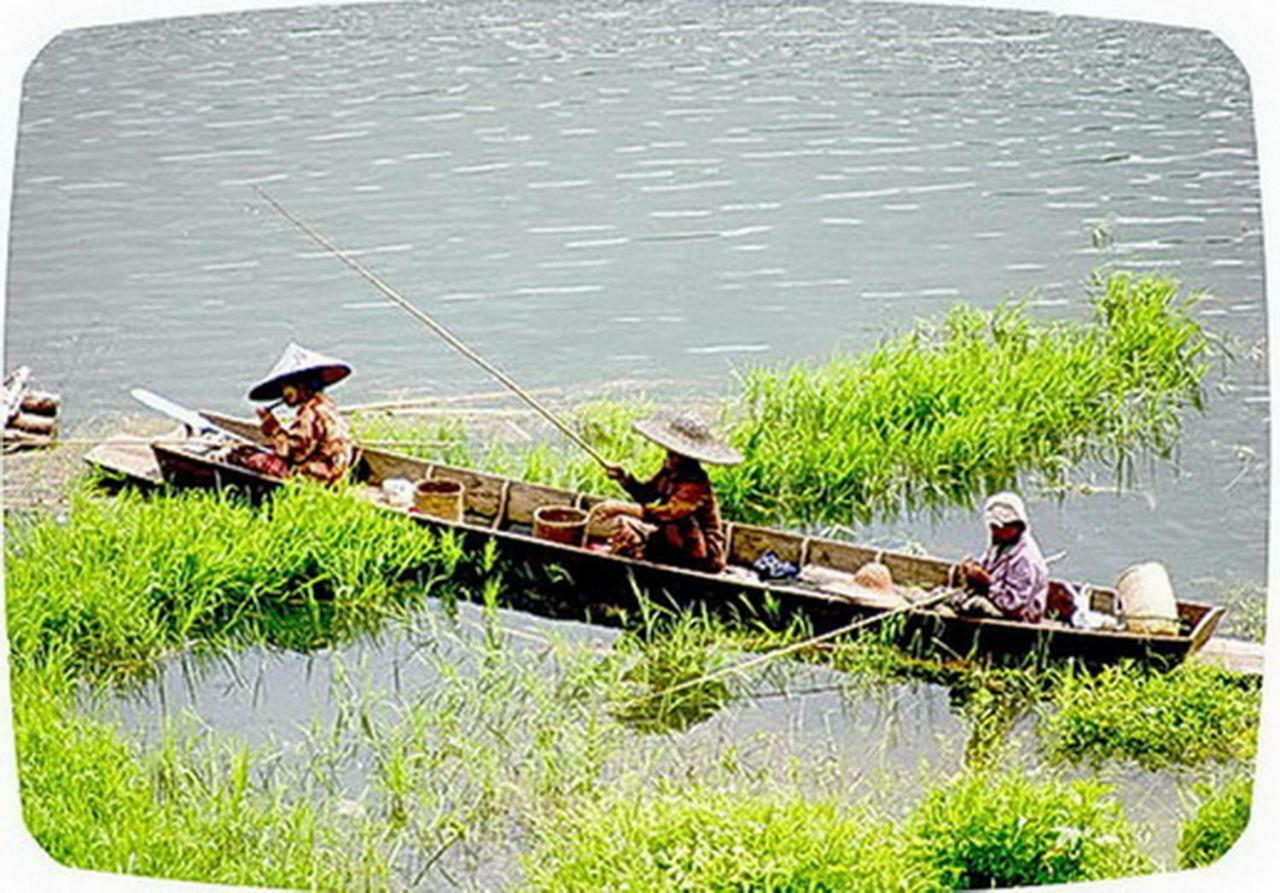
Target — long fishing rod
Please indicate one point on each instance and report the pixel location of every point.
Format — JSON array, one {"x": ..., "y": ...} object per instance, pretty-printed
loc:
[{"x": 425, "y": 318}]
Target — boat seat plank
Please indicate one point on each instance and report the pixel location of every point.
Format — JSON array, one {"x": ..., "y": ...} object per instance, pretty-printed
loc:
[
  {"x": 526, "y": 498},
  {"x": 384, "y": 466},
  {"x": 750, "y": 542},
  {"x": 839, "y": 556}
]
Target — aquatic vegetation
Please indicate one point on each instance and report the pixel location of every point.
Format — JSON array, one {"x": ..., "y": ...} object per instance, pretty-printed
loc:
[
  {"x": 696, "y": 838},
  {"x": 1246, "y": 616},
  {"x": 94, "y": 800},
  {"x": 604, "y": 424},
  {"x": 1003, "y": 829},
  {"x": 658, "y": 664},
  {"x": 1192, "y": 714},
  {"x": 125, "y": 580},
  {"x": 934, "y": 417},
  {"x": 1218, "y": 822},
  {"x": 977, "y": 402}
]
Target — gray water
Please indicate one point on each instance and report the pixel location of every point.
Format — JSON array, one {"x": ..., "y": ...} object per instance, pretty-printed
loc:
[{"x": 606, "y": 190}]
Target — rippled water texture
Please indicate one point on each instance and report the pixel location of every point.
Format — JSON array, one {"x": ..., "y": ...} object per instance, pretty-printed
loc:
[{"x": 591, "y": 191}]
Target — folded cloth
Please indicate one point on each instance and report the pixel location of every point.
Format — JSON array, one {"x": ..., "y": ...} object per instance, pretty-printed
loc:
[{"x": 771, "y": 567}]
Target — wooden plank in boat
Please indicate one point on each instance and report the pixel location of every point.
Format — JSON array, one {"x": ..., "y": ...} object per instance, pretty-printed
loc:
[
  {"x": 750, "y": 542},
  {"x": 130, "y": 460},
  {"x": 482, "y": 493},
  {"x": 916, "y": 570},
  {"x": 524, "y": 499},
  {"x": 383, "y": 466},
  {"x": 839, "y": 556}
]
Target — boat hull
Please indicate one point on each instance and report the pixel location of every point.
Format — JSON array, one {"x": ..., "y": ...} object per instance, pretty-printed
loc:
[{"x": 586, "y": 584}]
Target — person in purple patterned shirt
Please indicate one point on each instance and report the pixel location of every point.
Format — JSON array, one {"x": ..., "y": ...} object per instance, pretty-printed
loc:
[{"x": 1011, "y": 579}]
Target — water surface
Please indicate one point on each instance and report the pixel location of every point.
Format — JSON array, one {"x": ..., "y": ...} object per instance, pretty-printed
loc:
[{"x": 668, "y": 191}]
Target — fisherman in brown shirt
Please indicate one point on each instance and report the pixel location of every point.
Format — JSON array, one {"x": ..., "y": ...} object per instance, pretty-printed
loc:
[
  {"x": 678, "y": 520},
  {"x": 317, "y": 442}
]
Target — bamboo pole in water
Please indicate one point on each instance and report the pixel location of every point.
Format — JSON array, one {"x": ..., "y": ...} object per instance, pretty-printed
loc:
[
  {"x": 426, "y": 319},
  {"x": 800, "y": 646}
]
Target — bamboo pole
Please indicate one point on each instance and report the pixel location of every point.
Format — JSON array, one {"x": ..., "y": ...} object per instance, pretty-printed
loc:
[
  {"x": 426, "y": 319},
  {"x": 800, "y": 646}
]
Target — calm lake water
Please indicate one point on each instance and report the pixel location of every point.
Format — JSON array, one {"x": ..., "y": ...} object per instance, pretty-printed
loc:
[
  {"x": 826, "y": 726},
  {"x": 604, "y": 190}
]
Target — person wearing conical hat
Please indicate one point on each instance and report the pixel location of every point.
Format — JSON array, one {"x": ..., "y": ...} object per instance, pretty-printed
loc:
[
  {"x": 677, "y": 520},
  {"x": 1011, "y": 579},
  {"x": 317, "y": 443}
]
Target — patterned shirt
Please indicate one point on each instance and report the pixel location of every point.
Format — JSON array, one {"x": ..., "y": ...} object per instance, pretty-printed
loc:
[
  {"x": 1019, "y": 578},
  {"x": 317, "y": 443},
  {"x": 681, "y": 503}
]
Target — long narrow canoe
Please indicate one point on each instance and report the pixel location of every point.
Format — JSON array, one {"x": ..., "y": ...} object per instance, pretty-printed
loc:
[{"x": 595, "y": 583}]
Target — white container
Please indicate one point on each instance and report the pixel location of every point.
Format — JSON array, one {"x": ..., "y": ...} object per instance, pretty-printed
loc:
[
  {"x": 398, "y": 492},
  {"x": 1146, "y": 600}
]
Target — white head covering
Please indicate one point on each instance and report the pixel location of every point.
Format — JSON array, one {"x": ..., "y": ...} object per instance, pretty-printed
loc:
[{"x": 1005, "y": 508}]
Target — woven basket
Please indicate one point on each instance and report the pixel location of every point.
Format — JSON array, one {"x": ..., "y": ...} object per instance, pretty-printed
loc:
[
  {"x": 560, "y": 524},
  {"x": 440, "y": 499}
]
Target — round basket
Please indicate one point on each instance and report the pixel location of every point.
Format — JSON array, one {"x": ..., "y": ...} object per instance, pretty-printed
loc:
[
  {"x": 560, "y": 524},
  {"x": 440, "y": 499}
]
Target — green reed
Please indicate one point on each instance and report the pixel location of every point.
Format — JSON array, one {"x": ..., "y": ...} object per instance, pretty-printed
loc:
[
  {"x": 1193, "y": 714},
  {"x": 935, "y": 417},
  {"x": 1218, "y": 821},
  {"x": 975, "y": 402},
  {"x": 1002, "y": 829},
  {"x": 93, "y": 799},
  {"x": 124, "y": 581},
  {"x": 969, "y": 830}
]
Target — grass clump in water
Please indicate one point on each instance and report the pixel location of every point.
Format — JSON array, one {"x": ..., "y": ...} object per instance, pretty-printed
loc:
[
  {"x": 95, "y": 801},
  {"x": 989, "y": 829},
  {"x": 1190, "y": 715},
  {"x": 952, "y": 410},
  {"x": 1218, "y": 823},
  {"x": 705, "y": 839},
  {"x": 126, "y": 580}
]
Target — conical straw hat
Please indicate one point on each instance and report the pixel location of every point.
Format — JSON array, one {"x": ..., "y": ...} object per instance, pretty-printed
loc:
[
  {"x": 688, "y": 435},
  {"x": 298, "y": 364}
]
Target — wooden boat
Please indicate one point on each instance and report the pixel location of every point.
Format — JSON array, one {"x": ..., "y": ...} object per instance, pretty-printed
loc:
[{"x": 593, "y": 584}]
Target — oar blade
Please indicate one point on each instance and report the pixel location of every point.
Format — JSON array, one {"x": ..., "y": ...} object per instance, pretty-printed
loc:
[{"x": 165, "y": 406}]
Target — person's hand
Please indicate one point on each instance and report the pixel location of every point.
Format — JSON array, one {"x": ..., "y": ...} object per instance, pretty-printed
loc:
[
  {"x": 974, "y": 574},
  {"x": 615, "y": 473},
  {"x": 268, "y": 420}
]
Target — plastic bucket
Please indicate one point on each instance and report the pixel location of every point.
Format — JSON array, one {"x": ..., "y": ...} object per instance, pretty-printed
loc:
[
  {"x": 1146, "y": 600},
  {"x": 560, "y": 524},
  {"x": 440, "y": 499}
]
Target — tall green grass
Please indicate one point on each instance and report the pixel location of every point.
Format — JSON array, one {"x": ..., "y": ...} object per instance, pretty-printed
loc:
[
  {"x": 974, "y": 830},
  {"x": 95, "y": 800},
  {"x": 1002, "y": 829},
  {"x": 1219, "y": 820},
  {"x": 935, "y": 417},
  {"x": 124, "y": 581},
  {"x": 1194, "y": 714},
  {"x": 976, "y": 402},
  {"x": 694, "y": 838}
]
